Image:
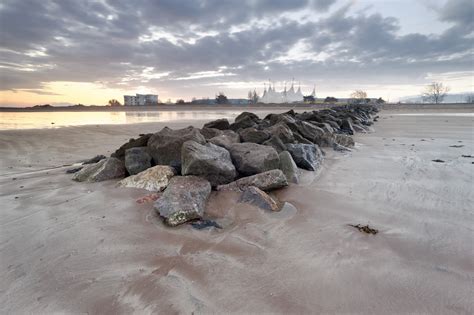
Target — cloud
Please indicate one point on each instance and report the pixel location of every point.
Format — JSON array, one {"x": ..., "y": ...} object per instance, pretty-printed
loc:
[{"x": 194, "y": 46}]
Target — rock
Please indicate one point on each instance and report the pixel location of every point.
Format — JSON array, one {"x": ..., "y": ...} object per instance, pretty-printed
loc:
[
  {"x": 165, "y": 145},
  {"x": 95, "y": 159},
  {"x": 204, "y": 224},
  {"x": 137, "y": 160},
  {"x": 73, "y": 170},
  {"x": 243, "y": 123},
  {"x": 275, "y": 143},
  {"x": 183, "y": 200},
  {"x": 306, "y": 156},
  {"x": 307, "y": 130},
  {"x": 270, "y": 180},
  {"x": 220, "y": 124},
  {"x": 247, "y": 115},
  {"x": 132, "y": 143},
  {"x": 105, "y": 169},
  {"x": 346, "y": 126},
  {"x": 344, "y": 140},
  {"x": 253, "y": 135},
  {"x": 208, "y": 161},
  {"x": 155, "y": 178},
  {"x": 225, "y": 140},
  {"x": 252, "y": 158},
  {"x": 325, "y": 140},
  {"x": 281, "y": 131},
  {"x": 299, "y": 139},
  {"x": 256, "y": 197},
  {"x": 359, "y": 128},
  {"x": 209, "y": 133},
  {"x": 288, "y": 167}
]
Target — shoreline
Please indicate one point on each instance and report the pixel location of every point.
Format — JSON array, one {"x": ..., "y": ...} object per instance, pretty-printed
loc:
[{"x": 76, "y": 247}]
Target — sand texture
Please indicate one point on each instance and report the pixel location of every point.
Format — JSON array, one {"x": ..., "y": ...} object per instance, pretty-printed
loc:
[{"x": 91, "y": 248}]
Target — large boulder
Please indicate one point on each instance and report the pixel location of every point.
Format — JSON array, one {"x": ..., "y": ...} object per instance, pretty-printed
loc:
[
  {"x": 306, "y": 156},
  {"x": 142, "y": 141},
  {"x": 155, "y": 178},
  {"x": 281, "y": 131},
  {"x": 137, "y": 160},
  {"x": 344, "y": 140},
  {"x": 253, "y": 135},
  {"x": 95, "y": 159},
  {"x": 307, "y": 130},
  {"x": 245, "y": 122},
  {"x": 275, "y": 143},
  {"x": 225, "y": 140},
  {"x": 288, "y": 167},
  {"x": 220, "y": 124},
  {"x": 256, "y": 197},
  {"x": 325, "y": 140},
  {"x": 183, "y": 200},
  {"x": 346, "y": 126},
  {"x": 165, "y": 145},
  {"x": 270, "y": 180},
  {"x": 209, "y": 133},
  {"x": 247, "y": 115},
  {"x": 252, "y": 158},
  {"x": 208, "y": 161},
  {"x": 105, "y": 169}
]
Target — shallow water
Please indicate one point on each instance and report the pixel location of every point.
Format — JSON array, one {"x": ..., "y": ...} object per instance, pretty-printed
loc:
[
  {"x": 42, "y": 120},
  {"x": 437, "y": 114}
]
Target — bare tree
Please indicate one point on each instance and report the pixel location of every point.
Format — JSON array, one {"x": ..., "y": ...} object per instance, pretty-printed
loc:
[
  {"x": 435, "y": 93},
  {"x": 255, "y": 97},
  {"x": 358, "y": 97}
]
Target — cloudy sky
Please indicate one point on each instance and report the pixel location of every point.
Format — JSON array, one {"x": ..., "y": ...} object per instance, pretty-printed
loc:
[{"x": 69, "y": 51}]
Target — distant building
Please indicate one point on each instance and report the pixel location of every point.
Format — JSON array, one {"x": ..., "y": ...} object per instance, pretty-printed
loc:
[
  {"x": 140, "y": 100},
  {"x": 286, "y": 96}
]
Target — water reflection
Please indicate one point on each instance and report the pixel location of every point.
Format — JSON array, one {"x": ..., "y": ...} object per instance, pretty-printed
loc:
[{"x": 34, "y": 120}]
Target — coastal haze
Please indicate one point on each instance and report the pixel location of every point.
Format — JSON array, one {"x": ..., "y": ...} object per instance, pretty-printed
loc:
[{"x": 381, "y": 222}]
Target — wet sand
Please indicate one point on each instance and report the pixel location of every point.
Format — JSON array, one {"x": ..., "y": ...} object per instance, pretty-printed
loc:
[{"x": 76, "y": 247}]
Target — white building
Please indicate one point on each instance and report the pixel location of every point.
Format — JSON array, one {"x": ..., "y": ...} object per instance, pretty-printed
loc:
[
  {"x": 140, "y": 100},
  {"x": 285, "y": 96}
]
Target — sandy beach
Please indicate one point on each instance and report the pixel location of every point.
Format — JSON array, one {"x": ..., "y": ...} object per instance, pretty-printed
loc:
[{"x": 91, "y": 248}]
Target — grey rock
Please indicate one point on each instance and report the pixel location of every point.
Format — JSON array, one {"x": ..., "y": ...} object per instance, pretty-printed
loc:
[
  {"x": 137, "y": 160},
  {"x": 209, "y": 133},
  {"x": 275, "y": 143},
  {"x": 243, "y": 123},
  {"x": 93, "y": 160},
  {"x": 220, "y": 124},
  {"x": 155, "y": 178},
  {"x": 252, "y": 158},
  {"x": 266, "y": 181},
  {"x": 142, "y": 141},
  {"x": 256, "y": 197},
  {"x": 165, "y": 145},
  {"x": 105, "y": 169},
  {"x": 307, "y": 130},
  {"x": 306, "y": 156},
  {"x": 299, "y": 139},
  {"x": 253, "y": 135},
  {"x": 225, "y": 140},
  {"x": 327, "y": 139},
  {"x": 346, "y": 126},
  {"x": 344, "y": 140},
  {"x": 183, "y": 200},
  {"x": 288, "y": 167},
  {"x": 208, "y": 161},
  {"x": 282, "y": 131},
  {"x": 246, "y": 115}
]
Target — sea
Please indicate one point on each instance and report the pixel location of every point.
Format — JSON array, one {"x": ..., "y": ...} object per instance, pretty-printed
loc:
[{"x": 42, "y": 120}]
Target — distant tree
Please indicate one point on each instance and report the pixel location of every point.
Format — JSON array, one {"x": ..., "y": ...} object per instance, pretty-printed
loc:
[
  {"x": 250, "y": 97},
  {"x": 221, "y": 98},
  {"x": 469, "y": 98},
  {"x": 330, "y": 99},
  {"x": 254, "y": 97},
  {"x": 180, "y": 102},
  {"x": 309, "y": 99},
  {"x": 114, "y": 102},
  {"x": 380, "y": 101},
  {"x": 358, "y": 97},
  {"x": 168, "y": 101},
  {"x": 435, "y": 93}
]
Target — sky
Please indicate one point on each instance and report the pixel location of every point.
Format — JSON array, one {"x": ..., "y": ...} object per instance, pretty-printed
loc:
[{"x": 70, "y": 52}]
